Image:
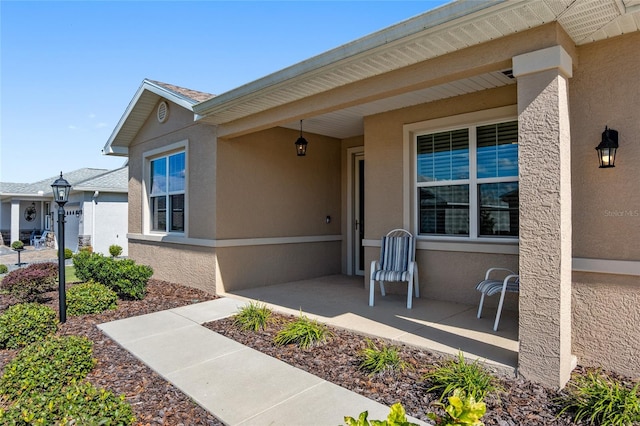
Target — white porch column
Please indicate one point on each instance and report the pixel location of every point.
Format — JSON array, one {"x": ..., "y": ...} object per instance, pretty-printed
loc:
[
  {"x": 545, "y": 215},
  {"x": 15, "y": 220}
]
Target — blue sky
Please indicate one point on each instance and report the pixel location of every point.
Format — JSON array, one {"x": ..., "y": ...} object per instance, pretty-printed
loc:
[{"x": 69, "y": 69}]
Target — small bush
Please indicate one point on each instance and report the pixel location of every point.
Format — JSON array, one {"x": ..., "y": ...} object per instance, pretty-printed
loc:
[
  {"x": 17, "y": 245},
  {"x": 600, "y": 400},
  {"x": 47, "y": 366},
  {"x": 27, "y": 284},
  {"x": 254, "y": 316},
  {"x": 115, "y": 250},
  {"x": 396, "y": 417},
  {"x": 303, "y": 332},
  {"x": 90, "y": 298},
  {"x": 68, "y": 254},
  {"x": 378, "y": 360},
  {"x": 23, "y": 324},
  {"x": 124, "y": 277},
  {"x": 457, "y": 373},
  {"x": 79, "y": 404},
  {"x": 3, "y": 268},
  {"x": 462, "y": 410}
]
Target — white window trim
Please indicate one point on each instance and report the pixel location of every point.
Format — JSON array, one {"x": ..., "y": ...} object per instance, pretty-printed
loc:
[
  {"x": 409, "y": 198},
  {"x": 147, "y": 157}
]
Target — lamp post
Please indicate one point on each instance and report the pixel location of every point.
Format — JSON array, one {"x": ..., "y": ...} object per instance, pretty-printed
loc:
[{"x": 61, "y": 195}]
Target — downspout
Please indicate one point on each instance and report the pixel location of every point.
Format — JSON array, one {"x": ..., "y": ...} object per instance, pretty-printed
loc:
[{"x": 93, "y": 218}]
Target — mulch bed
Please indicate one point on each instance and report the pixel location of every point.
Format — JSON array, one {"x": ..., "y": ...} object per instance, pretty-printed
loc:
[{"x": 157, "y": 402}]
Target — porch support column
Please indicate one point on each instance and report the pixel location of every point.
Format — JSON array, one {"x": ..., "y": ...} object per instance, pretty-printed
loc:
[
  {"x": 545, "y": 215},
  {"x": 15, "y": 220}
]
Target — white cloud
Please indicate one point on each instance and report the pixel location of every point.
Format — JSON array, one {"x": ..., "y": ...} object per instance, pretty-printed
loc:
[
  {"x": 101, "y": 125},
  {"x": 72, "y": 127}
]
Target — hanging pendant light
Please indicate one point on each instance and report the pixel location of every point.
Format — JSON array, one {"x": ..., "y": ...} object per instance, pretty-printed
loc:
[{"x": 301, "y": 144}]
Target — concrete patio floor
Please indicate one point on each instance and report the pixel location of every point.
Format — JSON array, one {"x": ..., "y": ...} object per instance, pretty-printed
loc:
[{"x": 445, "y": 327}]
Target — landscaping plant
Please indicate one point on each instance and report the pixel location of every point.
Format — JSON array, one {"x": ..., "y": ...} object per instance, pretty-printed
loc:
[
  {"x": 25, "y": 323},
  {"x": 27, "y": 284},
  {"x": 17, "y": 245},
  {"x": 3, "y": 268},
  {"x": 377, "y": 360},
  {"x": 601, "y": 400},
  {"x": 255, "y": 316},
  {"x": 90, "y": 298},
  {"x": 457, "y": 373},
  {"x": 47, "y": 366},
  {"x": 463, "y": 409},
  {"x": 115, "y": 250},
  {"x": 303, "y": 332},
  {"x": 396, "y": 417},
  {"x": 68, "y": 254}
]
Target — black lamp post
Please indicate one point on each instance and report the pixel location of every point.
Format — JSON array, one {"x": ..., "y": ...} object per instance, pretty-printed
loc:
[{"x": 61, "y": 195}]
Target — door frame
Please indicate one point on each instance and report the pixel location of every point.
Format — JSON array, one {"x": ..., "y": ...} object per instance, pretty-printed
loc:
[{"x": 353, "y": 155}]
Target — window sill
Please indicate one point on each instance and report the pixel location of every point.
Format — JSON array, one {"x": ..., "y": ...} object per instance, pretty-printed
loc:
[{"x": 171, "y": 238}]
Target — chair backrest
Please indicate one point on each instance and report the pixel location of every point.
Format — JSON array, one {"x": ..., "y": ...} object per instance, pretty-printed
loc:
[{"x": 397, "y": 249}]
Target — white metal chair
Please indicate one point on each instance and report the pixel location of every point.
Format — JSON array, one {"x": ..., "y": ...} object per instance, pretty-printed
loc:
[
  {"x": 397, "y": 264},
  {"x": 490, "y": 286},
  {"x": 39, "y": 242}
]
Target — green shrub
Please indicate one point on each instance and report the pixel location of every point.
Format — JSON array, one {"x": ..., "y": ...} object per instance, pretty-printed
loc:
[
  {"x": 115, "y": 250},
  {"x": 90, "y": 298},
  {"x": 3, "y": 268},
  {"x": 396, "y": 417},
  {"x": 17, "y": 245},
  {"x": 303, "y": 332},
  {"x": 254, "y": 316},
  {"x": 27, "y": 284},
  {"x": 601, "y": 400},
  {"x": 47, "y": 366},
  {"x": 79, "y": 403},
  {"x": 377, "y": 360},
  {"x": 68, "y": 254},
  {"x": 25, "y": 323},
  {"x": 457, "y": 373},
  {"x": 463, "y": 410},
  {"x": 123, "y": 276}
]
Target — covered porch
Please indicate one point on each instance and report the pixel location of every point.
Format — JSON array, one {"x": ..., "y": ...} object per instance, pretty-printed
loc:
[{"x": 438, "y": 326}]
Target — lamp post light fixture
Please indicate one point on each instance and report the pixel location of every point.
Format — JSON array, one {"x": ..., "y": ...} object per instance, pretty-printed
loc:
[
  {"x": 607, "y": 148},
  {"x": 61, "y": 195},
  {"x": 301, "y": 144}
]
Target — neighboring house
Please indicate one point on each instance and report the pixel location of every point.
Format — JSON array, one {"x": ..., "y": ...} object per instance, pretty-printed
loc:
[
  {"x": 96, "y": 213},
  {"x": 477, "y": 122}
]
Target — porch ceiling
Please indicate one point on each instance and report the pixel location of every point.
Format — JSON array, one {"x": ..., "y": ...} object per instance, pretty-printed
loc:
[{"x": 444, "y": 30}]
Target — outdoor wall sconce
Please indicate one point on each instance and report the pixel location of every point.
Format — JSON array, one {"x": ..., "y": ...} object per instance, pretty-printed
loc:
[
  {"x": 607, "y": 148},
  {"x": 301, "y": 144}
]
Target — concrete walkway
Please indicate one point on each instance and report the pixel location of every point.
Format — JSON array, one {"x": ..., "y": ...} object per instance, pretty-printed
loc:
[{"x": 238, "y": 385}]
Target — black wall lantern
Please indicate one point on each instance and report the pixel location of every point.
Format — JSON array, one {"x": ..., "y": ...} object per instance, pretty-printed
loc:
[
  {"x": 301, "y": 144},
  {"x": 607, "y": 148}
]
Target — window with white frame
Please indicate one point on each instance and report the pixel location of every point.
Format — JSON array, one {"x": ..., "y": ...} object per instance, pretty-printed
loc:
[
  {"x": 467, "y": 181},
  {"x": 167, "y": 192}
]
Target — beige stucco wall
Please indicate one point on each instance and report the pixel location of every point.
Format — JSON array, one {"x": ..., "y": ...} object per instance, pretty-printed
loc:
[
  {"x": 440, "y": 278},
  {"x": 265, "y": 190},
  {"x": 606, "y": 314},
  {"x": 606, "y": 203},
  {"x": 605, "y": 91},
  {"x": 177, "y": 263}
]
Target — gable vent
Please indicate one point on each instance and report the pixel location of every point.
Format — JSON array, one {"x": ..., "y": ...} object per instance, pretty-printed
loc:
[{"x": 163, "y": 112}]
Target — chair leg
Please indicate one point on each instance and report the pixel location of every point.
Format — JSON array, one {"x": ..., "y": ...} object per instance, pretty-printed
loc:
[
  {"x": 409, "y": 291},
  {"x": 416, "y": 282},
  {"x": 504, "y": 290},
  {"x": 372, "y": 290},
  {"x": 480, "y": 307},
  {"x": 382, "y": 291}
]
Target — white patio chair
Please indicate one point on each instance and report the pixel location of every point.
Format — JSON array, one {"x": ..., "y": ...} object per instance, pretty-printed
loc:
[
  {"x": 397, "y": 264},
  {"x": 490, "y": 286},
  {"x": 39, "y": 242}
]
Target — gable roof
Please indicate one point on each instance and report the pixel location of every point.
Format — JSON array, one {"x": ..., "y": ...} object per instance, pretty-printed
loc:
[
  {"x": 144, "y": 101},
  {"x": 85, "y": 179}
]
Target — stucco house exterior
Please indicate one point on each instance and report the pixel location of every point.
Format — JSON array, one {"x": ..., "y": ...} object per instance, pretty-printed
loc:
[
  {"x": 472, "y": 125},
  {"x": 96, "y": 213}
]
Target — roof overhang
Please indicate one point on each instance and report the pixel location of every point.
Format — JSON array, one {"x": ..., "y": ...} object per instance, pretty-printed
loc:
[{"x": 442, "y": 31}]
